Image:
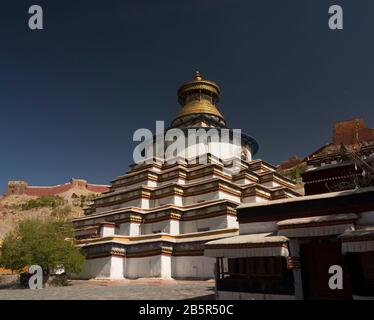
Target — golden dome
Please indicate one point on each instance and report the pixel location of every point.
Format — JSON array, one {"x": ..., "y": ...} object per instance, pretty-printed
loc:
[
  {"x": 198, "y": 84},
  {"x": 199, "y": 106},
  {"x": 199, "y": 96}
]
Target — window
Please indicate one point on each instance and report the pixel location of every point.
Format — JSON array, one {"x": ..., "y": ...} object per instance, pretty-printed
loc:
[
  {"x": 367, "y": 263},
  {"x": 255, "y": 267}
]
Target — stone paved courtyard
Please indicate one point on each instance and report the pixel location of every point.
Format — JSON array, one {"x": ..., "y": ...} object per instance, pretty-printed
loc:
[{"x": 119, "y": 290}]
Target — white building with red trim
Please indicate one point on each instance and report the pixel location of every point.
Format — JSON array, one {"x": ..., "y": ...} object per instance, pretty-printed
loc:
[{"x": 156, "y": 218}]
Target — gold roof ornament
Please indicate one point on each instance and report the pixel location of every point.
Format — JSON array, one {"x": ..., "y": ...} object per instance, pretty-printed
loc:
[
  {"x": 196, "y": 107},
  {"x": 199, "y": 96},
  {"x": 198, "y": 75}
]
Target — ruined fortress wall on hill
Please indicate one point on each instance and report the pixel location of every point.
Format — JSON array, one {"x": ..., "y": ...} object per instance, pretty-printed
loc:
[
  {"x": 22, "y": 188},
  {"x": 350, "y": 132}
]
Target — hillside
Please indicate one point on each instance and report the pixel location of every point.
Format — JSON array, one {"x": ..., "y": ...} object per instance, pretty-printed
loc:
[{"x": 69, "y": 204}]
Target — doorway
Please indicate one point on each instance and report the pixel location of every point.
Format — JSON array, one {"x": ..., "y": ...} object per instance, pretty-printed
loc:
[{"x": 316, "y": 257}]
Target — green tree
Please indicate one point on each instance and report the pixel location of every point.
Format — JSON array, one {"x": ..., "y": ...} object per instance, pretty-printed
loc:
[
  {"x": 48, "y": 244},
  {"x": 295, "y": 172}
]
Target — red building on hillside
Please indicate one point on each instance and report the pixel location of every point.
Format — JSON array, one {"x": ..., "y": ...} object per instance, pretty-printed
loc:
[{"x": 343, "y": 164}]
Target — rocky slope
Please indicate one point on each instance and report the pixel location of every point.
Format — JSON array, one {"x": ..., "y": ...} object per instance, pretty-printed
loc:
[{"x": 14, "y": 208}]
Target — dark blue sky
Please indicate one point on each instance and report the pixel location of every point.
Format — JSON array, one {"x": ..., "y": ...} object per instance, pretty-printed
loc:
[{"x": 72, "y": 94}]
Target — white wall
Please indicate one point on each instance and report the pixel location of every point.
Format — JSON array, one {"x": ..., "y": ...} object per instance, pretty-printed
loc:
[
  {"x": 129, "y": 229},
  {"x": 142, "y": 203},
  {"x": 271, "y": 184},
  {"x": 221, "y": 150},
  {"x": 107, "y": 267},
  {"x": 163, "y": 201},
  {"x": 174, "y": 180},
  {"x": 219, "y": 222},
  {"x": 117, "y": 267},
  {"x": 155, "y": 266},
  {"x": 225, "y": 195},
  {"x": 253, "y": 199},
  {"x": 167, "y": 226},
  {"x": 124, "y": 229},
  {"x": 133, "y": 203},
  {"x": 107, "y": 231},
  {"x": 148, "y": 183},
  {"x": 192, "y": 267},
  {"x": 243, "y": 181},
  {"x": 165, "y": 267},
  {"x": 156, "y": 227},
  {"x": 143, "y": 267},
  {"x": 232, "y": 222},
  {"x": 201, "y": 198},
  {"x": 174, "y": 227},
  {"x": 135, "y": 229}
]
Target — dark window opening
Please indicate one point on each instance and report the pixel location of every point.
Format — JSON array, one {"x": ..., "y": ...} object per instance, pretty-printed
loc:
[
  {"x": 255, "y": 275},
  {"x": 361, "y": 273}
]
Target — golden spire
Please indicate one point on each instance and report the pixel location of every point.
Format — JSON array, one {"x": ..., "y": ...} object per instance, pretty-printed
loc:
[
  {"x": 199, "y": 96},
  {"x": 198, "y": 76}
]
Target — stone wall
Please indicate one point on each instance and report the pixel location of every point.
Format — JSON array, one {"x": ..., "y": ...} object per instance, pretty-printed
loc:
[
  {"x": 9, "y": 280},
  {"x": 22, "y": 188},
  {"x": 351, "y": 131}
]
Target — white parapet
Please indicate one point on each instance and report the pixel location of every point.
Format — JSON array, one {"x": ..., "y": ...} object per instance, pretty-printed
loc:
[{"x": 107, "y": 229}]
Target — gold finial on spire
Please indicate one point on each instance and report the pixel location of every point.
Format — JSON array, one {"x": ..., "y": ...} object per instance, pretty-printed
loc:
[
  {"x": 199, "y": 96},
  {"x": 198, "y": 75}
]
